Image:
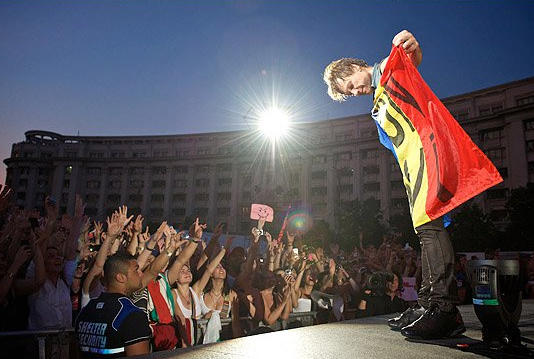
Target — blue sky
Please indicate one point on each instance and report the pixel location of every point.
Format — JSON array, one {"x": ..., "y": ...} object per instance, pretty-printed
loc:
[{"x": 168, "y": 67}]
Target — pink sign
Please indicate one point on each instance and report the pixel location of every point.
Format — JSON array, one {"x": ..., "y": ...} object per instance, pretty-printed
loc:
[{"x": 261, "y": 211}]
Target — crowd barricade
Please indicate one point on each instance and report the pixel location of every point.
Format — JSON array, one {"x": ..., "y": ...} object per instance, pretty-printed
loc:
[
  {"x": 66, "y": 336},
  {"x": 305, "y": 318},
  {"x": 60, "y": 342}
]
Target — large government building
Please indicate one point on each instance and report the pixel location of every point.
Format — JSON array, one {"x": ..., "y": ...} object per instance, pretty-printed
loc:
[{"x": 218, "y": 175}]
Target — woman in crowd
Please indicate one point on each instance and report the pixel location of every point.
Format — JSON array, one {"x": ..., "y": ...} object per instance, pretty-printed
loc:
[{"x": 188, "y": 303}]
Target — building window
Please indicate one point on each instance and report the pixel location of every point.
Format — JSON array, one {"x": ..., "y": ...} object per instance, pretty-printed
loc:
[
  {"x": 114, "y": 197},
  {"x": 178, "y": 197},
  {"x": 116, "y": 184},
  {"x": 201, "y": 212},
  {"x": 318, "y": 191},
  {"x": 525, "y": 100},
  {"x": 497, "y": 193},
  {"x": 159, "y": 170},
  {"x": 66, "y": 184},
  {"x": 368, "y": 170},
  {"x": 137, "y": 183},
  {"x": 498, "y": 215},
  {"x": 397, "y": 185},
  {"x": 371, "y": 187},
  {"x": 224, "y": 196},
  {"x": 92, "y": 197},
  {"x": 115, "y": 171},
  {"x": 225, "y": 150},
  {"x": 491, "y": 134},
  {"x": 318, "y": 175},
  {"x": 318, "y": 159},
  {"x": 156, "y": 197},
  {"x": 156, "y": 212},
  {"x": 224, "y": 181},
  {"x": 530, "y": 146},
  {"x": 223, "y": 211},
  {"x": 91, "y": 211},
  {"x": 529, "y": 125},
  {"x": 93, "y": 184},
  {"x": 117, "y": 154},
  {"x": 139, "y": 154},
  {"x": 135, "y": 197},
  {"x": 461, "y": 116},
  {"x": 180, "y": 183},
  {"x": 399, "y": 203},
  {"x": 68, "y": 170},
  {"x": 158, "y": 184},
  {"x": 203, "y": 151},
  {"x": 202, "y": 169},
  {"x": 343, "y": 156},
  {"x": 96, "y": 155},
  {"x": 497, "y": 154},
  {"x": 182, "y": 154},
  {"x": 178, "y": 211},
  {"x": 346, "y": 188},
  {"x": 70, "y": 154},
  {"x": 137, "y": 170},
  {"x": 44, "y": 172},
  {"x": 202, "y": 182},
  {"x": 224, "y": 167},
  {"x": 202, "y": 197},
  {"x": 93, "y": 171},
  {"x": 369, "y": 154},
  {"x": 181, "y": 169},
  {"x": 161, "y": 154}
]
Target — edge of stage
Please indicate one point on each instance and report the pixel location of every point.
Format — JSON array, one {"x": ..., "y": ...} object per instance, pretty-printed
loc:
[{"x": 361, "y": 338}]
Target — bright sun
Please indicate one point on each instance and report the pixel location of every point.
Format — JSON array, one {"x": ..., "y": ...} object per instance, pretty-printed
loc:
[{"x": 274, "y": 122}]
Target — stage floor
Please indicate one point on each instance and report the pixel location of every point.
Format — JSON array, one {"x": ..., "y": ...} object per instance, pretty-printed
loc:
[{"x": 361, "y": 338}]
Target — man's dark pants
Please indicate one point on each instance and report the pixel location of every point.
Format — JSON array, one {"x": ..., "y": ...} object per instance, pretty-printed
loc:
[{"x": 438, "y": 286}]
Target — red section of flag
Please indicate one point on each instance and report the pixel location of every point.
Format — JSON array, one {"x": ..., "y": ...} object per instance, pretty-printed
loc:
[{"x": 457, "y": 169}]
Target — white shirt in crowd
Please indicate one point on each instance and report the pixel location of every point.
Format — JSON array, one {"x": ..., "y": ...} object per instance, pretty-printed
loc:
[{"x": 50, "y": 307}]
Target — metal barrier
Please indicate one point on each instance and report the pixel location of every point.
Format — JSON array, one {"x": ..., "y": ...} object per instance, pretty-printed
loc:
[
  {"x": 40, "y": 335},
  {"x": 306, "y": 318}
]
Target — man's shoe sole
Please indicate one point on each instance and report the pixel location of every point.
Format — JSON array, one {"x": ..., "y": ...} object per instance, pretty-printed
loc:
[{"x": 455, "y": 333}]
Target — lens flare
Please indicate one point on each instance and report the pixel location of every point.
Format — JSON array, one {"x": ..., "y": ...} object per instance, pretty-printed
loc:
[{"x": 274, "y": 122}]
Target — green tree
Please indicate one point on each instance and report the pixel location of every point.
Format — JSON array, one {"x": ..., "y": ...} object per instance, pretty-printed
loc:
[
  {"x": 520, "y": 206},
  {"x": 472, "y": 230},
  {"x": 402, "y": 224},
  {"x": 319, "y": 234},
  {"x": 360, "y": 217}
]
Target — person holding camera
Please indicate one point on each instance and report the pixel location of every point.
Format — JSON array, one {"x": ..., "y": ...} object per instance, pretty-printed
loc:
[{"x": 380, "y": 295}]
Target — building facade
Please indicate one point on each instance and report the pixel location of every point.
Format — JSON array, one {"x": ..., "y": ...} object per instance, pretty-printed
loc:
[{"x": 218, "y": 175}]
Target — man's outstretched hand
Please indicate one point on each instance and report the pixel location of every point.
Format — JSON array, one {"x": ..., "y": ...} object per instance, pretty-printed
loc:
[{"x": 410, "y": 46}]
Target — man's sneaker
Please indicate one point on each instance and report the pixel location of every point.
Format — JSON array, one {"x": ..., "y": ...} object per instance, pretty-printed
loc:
[
  {"x": 407, "y": 317},
  {"x": 435, "y": 324}
]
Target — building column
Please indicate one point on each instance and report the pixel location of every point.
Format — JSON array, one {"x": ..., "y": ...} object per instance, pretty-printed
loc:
[{"x": 167, "y": 199}]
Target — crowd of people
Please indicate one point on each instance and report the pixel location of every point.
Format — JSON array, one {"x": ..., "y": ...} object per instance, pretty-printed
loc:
[{"x": 127, "y": 290}]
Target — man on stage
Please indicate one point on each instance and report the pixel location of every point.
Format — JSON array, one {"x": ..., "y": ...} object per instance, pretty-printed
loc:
[{"x": 422, "y": 136}]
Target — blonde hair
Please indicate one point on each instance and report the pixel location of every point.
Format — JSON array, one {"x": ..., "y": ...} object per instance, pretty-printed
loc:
[{"x": 338, "y": 70}]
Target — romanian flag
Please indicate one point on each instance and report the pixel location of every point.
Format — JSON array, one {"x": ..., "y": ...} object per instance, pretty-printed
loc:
[{"x": 441, "y": 166}]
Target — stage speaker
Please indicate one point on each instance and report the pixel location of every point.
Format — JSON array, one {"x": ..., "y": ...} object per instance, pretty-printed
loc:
[{"x": 497, "y": 300}]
